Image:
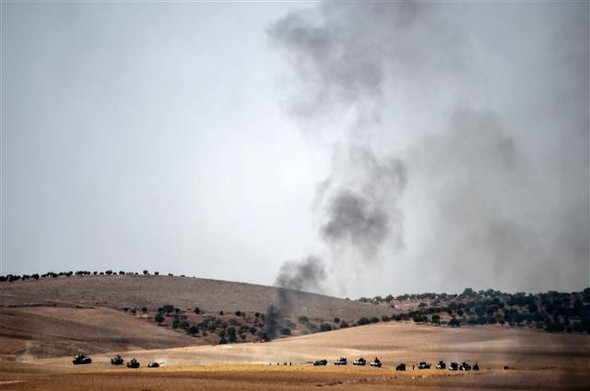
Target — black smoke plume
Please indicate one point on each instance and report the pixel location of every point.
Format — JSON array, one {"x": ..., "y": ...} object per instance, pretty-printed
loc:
[
  {"x": 294, "y": 276},
  {"x": 459, "y": 142}
]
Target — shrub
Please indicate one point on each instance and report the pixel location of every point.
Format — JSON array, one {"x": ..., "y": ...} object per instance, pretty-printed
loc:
[
  {"x": 325, "y": 327},
  {"x": 231, "y": 335},
  {"x": 363, "y": 321},
  {"x": 167, "y": 308},
  {"x": 454, "y": 323},
  {"x": 159, "y": 317},
  {"x": 193, "y": 329}
]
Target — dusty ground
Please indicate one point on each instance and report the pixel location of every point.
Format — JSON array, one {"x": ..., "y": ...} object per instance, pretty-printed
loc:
[
  {"x": 57, "y": 331},
  {"x": 539, "y": 360}
]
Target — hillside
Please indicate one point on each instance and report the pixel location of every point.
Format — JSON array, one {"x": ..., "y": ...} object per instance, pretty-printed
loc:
[
  {"x": 137, "y": 291},
  {"x": 63, "y": 315},
  {"x": 553, "y": 311}
]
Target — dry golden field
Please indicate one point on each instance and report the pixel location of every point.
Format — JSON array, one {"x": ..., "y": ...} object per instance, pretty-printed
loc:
[{"x": 538, "y": 361}]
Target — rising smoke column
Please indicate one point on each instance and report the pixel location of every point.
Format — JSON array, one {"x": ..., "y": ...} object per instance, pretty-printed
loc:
[
  {"x": 295, "y": 276},
  {"x": 460, "y": 148}
]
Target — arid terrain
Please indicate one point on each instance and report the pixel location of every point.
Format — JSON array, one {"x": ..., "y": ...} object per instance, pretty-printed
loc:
[{"x": 37, "y": 341}]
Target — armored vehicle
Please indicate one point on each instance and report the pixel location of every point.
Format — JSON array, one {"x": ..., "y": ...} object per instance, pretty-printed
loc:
[
  {"x": 133, "y": 363},
  {"x": 376, "y": 363},
  {"x": 81, "y": 359},
  {"x": 341, "y": 361},
  {"x": 441, "y": 365},
  {"x": 117, "y": 360},
  {"x": 423, "y": 365},
  {"x": 153, "y": 364},
  {"x": 318, "y": 363},
  {"x": 401, "y": 367},
  {"x": 360, "y": 361},
  {"x": 464, "y": 366}
]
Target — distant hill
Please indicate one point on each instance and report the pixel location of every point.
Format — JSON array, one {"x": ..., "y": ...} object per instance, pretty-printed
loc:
[
  {"x": 553, "y": 311},
  {"x": 137, "y": 291},
  {"x": 57, "y": 315}
]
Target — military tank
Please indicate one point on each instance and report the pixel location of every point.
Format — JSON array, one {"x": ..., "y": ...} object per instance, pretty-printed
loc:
[
  {"x": 81, "y": 359},
  {"x": 360, "y": 361},
  {"x": 153, "y": 364},
  {"x": 341, "y": 361},
  {"x": 133, "y": 363},
  {"x": 376, "y": 363},
  {"x": 117, "y": 360}
]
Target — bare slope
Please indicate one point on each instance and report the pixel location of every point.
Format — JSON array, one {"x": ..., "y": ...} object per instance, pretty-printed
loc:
[
  {"x": 28, "y": 332},
  {"x": 66, "y": 315},
  {"x": 183, "y": 292}
]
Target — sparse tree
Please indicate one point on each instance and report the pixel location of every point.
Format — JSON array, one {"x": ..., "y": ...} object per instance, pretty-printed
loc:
[
  {"x": 363, "y": 321},
  {"x": 193, "y": 330}
]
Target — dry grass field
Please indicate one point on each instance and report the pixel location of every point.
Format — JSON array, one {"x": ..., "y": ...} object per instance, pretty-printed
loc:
[
  {"x": 537, "y": 360},
  {"x": 83, "y": 315}
]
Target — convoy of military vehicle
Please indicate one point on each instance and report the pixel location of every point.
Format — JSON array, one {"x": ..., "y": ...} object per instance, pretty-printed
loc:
[
  {"x": 115, "y": 360},
  {"x": 361, "y": 361}
]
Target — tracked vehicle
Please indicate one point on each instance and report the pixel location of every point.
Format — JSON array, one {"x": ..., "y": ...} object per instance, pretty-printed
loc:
[
  {"x": 360, "y": 361},
  {"x": 81, "y": 359},
  {"x": 117, "y": 360},
  {"x": 133, "y": 363}
]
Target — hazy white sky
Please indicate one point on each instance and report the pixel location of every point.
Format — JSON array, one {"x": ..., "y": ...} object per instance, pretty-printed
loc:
[{"x": 217, "y": 139}]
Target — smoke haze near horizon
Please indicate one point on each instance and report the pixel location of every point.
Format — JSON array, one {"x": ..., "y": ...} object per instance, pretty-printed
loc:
[
  {"x": 407, "y": 146},
  {"x": 487, "y": 123}
]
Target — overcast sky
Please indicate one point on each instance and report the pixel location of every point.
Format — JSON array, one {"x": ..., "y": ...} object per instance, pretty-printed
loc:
[{"x": 399, "y": 147}]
